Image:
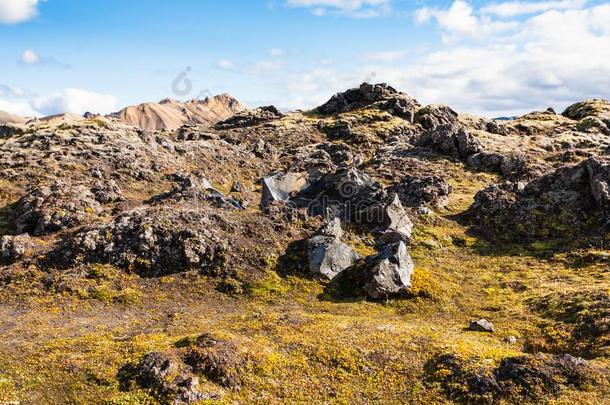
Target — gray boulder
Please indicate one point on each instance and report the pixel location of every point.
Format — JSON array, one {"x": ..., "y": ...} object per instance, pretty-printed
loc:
[
  {"x": 417, "y": 191},
  {"x": 282, "y": 186},
  {"x": 328, "y": 256},
  {"x": 385, "y": 274},
  {"x": 481, "y": 325}
]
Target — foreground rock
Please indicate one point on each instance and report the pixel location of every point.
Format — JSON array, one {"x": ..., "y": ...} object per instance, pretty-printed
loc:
[
  {"x": 328, "y": 256},
  {"x": 385, "y": 274},
  {"x": 568, "y": 202},
  {"x": 417, "y": 191}
]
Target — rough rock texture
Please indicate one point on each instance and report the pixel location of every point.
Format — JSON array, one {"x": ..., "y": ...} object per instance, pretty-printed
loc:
[
  {"x": 385, "y": 274},
  {"x": 168, "y": 378},
  {"x": 450, "y": 140},
  {"x": 589, "y": 108},
  {"x": 58, "y": 206},
  {"x": 151, "y": 242},
  {"x": 524, "y": 378},
  {"x": 14, "y": 247},
  {"x": 434, "y": 116},
  {"x": 194, "y": 190},
  {"x": 563, "y": 203},
  {"x": 250, "y": 118},
  {"x": 328, "y": 256},
  {"x": 416, "y": 191},
  {"x": 381, "y": 96},
  {"x": 219, "y": 360}
]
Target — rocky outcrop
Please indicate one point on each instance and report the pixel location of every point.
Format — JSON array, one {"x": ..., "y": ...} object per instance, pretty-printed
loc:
[
  {"x": 171, "y": 114},
  {"x": 60, "y": 206},
  {"x": 379, "y": 96},
  {"x": 450, "y": 140},
  {"x": 328, "y": 256},
  {"x": 565, "y": 203},
  {"x": 250, "y": 118},
  {"x": 516, "y": 379},
  {"x": 598, "y": 108},
  {"x": 433, "y": 116},
  {"x": 150, "y": 242}
]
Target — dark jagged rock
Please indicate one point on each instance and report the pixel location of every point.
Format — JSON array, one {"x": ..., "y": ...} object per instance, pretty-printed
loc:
[
  {"x": 328, "y": 256},
  {"x": 563, "y": 203},
  {"x": 195, "y": 189},
  {"x": 434, "y": 116},
  {"x": 416, "y": 191},
  {"x": 250, "y": 118},
  {"x": 450, "y": 140},
  {"x": 151, "y": 242},
  {"x": 513, "y": 166},
  {"x": 380, "y": 96},
  {"x": 385, "y": 274}
]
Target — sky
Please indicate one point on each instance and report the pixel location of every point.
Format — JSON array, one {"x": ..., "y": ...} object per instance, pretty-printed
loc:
[{"x": 493, "y": 58}]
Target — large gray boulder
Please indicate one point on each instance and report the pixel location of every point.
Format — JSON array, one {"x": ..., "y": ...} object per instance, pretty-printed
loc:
[
  {"x": 385, "y": 274},
  {"x": 328, "y": 256},
  {"x": 284, "y": 185}
]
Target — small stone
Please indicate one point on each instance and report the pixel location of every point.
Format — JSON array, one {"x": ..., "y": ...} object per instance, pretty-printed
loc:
[
  {"x": 511, "y": 340},
  {"x": 482, "y": 325}
]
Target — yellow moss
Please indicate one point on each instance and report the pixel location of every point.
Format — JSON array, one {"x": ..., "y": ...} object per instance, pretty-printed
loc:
[{"x": 425, "y": 284}]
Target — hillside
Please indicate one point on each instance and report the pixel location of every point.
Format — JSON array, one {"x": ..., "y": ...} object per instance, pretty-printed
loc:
[{"x": 372, "y": 250}]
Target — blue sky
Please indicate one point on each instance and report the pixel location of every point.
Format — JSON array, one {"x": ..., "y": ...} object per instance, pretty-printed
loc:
[{"x": 492, "y": 58}]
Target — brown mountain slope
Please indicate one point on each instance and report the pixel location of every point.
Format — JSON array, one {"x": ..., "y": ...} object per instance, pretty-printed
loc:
[
  {"x": 6, "y": 118},
  {"x": 172, "y": 114}
]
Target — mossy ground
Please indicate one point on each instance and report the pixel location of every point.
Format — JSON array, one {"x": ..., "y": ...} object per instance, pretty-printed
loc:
[{"x": 64, "y": 347}]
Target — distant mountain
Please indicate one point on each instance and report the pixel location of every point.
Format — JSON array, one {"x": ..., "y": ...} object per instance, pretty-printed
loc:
[
  {"x": 6, "y": 118},
  {"x": 172, "y": 114}
]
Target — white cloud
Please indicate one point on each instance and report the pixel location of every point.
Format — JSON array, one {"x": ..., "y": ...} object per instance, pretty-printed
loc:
[
  {"x": 352, "y": 8},
  {"x": 386, "y": 56},
  {"x": 16, "y": 11},
  {"x": 527, "y": 64},
  {"x": 225, "y": 64},
  {"x": 515, "y": 8},
  {"x": 276, "y": 52},
  {"x": 29, "y": 57},
  {"x": 75, "y": 101},
  {"x": 21, "y": 108}
]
